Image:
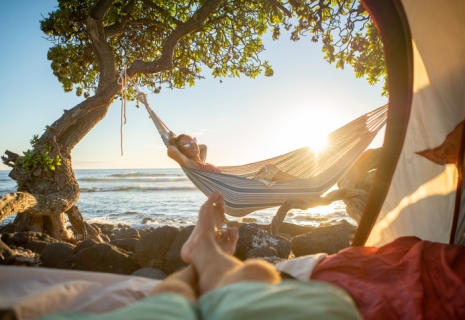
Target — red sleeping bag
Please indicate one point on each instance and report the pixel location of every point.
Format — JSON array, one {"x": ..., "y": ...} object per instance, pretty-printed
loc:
[{"x": 405, "y": 279}]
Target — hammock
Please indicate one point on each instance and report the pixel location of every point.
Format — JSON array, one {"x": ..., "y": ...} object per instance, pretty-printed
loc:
[{"x": 317, "y": 171}]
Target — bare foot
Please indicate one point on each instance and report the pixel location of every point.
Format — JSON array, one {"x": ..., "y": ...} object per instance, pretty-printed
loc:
[
  {"x": 211, "y": 218},
  {"x": 227, "y": 240}
]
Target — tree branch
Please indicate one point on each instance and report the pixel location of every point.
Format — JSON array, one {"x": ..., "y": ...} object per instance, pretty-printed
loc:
[
  {"x": 159, "y": 9},
  {"x": 101, "y": 9},
  {"x": 278, "y": 5},
  {"x": 166, "y": 60},
  {"x": 118, "y": 28},
  {"x": 311, "y": 202}
]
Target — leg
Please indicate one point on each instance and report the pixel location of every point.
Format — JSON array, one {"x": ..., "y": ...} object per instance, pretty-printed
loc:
[
  {"x": 215, "y": 267},
  {"x": 183, "y": 282},
  {"x": 283, "y": 176}
]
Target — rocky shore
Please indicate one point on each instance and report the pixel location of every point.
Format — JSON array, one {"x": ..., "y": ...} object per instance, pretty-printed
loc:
[{"x": 155, "y": 253}]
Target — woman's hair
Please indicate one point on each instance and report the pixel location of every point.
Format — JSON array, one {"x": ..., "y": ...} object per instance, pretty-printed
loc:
[{"x": 174, "y": 141}]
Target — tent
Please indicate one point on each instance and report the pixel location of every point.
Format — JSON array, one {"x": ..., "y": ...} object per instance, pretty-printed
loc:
[
  {"x": 417, "y": 189},
  {"x": 412, "y": 194}
]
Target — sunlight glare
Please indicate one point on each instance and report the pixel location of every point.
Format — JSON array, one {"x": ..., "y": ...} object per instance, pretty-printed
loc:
[{"x": 312, "y": 128}]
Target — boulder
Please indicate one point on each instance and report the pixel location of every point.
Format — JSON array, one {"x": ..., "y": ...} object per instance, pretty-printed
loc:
[
  {"x": 105, "y": 237},
  {"x": 328, "y": 239},
  {"x": 152, "y": 247},
  {"x": 126, "y": 233},
  {"x": 286, "y": 228},
  {"x": 173, "y": 256},
  {"x": 56, "y": 254},
  {"x": 273, "y": 259},
  {"x": 34, "y": 241},
  {"x": 7, "y": 228},
  {"x": 105, "y": 228},
  {"x": 294, "y": 229},
  {"x": 7, "y": 255},
  {"x": 151, "y": 273},
  {"x": 251, "y": 236},
  {"x": 126, "y": 244},
  {"x": 262, "y": 252},
  {"x": 102, "y": 257},
  {"x": 346, "y": 225},
  {"x": 84, "y": 245}
]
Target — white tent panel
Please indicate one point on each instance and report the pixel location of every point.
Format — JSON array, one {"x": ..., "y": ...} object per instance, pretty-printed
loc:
[{"x": 421, "y": 197}]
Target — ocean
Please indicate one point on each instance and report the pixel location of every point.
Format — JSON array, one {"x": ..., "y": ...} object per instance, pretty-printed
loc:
[{"x": 157, "y": 197}]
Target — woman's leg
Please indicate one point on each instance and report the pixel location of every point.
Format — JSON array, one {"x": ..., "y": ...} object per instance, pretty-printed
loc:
[{"x": 283, "y": 176}]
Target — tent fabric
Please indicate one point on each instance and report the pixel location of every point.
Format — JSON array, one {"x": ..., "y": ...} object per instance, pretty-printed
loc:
[
  {"x": 420, "y": 200},
  {"x": 317, "y": 171},
  {"x": 33, "y": 292},
  {"x": 405, "y": 279}
]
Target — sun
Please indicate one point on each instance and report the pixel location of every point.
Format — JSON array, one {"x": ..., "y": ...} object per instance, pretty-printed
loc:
[
  {"x": 312, "y": 128},
  {"x": 317, "y": 142},
  {"x": 304, "y": 126}
]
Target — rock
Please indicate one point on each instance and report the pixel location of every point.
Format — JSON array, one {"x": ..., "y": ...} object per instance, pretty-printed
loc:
[
  {"x": 126, "y": 244},
  {"x": 121, "y": 225},
  {"x": 7, "y": 228},
  {"x": 286, "y": 228},
  {"x": 262, "y": 252},
  {"x": 294, "y": 229},
  {"x": 349, "y": 227},
  {"x": 151, "y": 273},
  {"x": 173, "y": 256},
  {"x": 152, "y": 247},
  {"x": 145, "y": 231},
  {"x": 34, "y": 241},
  {"x": 145, "y": 220},
  {"x": 84, "y": 245},
  {"x": 20, "y": 238},
  {"x": 7, "y": 255},
  {"x": 56, "y": 254},
  {"x": 328, "y": 239},
  {"x": 252, "y": 236},
  {"x": 96, "y": 227},
  {"x": 105, "y": 228},
  {"x": 126, "y": 233},
  {"x": 102, "y": 257},
  {"x": 105, "y": 237},
  {"x": 273, "y": 259}
]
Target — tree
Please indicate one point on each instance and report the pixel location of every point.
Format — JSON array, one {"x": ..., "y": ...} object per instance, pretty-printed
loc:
[{"x": 161, "y": 42}]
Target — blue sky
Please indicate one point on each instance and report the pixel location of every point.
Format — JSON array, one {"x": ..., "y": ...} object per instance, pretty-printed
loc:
[{"x": 241, "y": 120}]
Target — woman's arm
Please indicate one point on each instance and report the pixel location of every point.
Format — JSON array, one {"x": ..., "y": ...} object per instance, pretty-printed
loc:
[
  {"x": 203, "y": 152},
  {"x": 177, "y": 156}
]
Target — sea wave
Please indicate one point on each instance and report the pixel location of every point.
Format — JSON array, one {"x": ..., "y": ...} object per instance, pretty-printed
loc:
[
  {"x": 137, "y": 189},
  {"x": 167, "y": 178},
  {"x": 144, "y": 174}
]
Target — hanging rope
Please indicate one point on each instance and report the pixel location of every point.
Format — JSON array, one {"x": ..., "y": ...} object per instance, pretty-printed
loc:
[{"x": 123, "y": 82}]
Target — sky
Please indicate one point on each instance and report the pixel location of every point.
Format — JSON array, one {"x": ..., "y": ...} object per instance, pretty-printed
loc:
[{"x": 241, "y": 120}]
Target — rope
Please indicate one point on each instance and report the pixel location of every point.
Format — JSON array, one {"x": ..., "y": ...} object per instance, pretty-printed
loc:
[{"x": 123, "y": 82}]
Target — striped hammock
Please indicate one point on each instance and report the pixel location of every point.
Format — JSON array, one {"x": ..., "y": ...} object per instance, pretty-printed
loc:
[{"x": 317, "y": 171}]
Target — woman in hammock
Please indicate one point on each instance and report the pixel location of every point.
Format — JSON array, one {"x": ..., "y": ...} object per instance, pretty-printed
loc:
[{"x": 187, "y": 153}]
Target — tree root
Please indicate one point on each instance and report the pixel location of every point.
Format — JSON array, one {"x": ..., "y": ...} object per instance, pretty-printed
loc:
[{"x": 311, "y": 202}]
